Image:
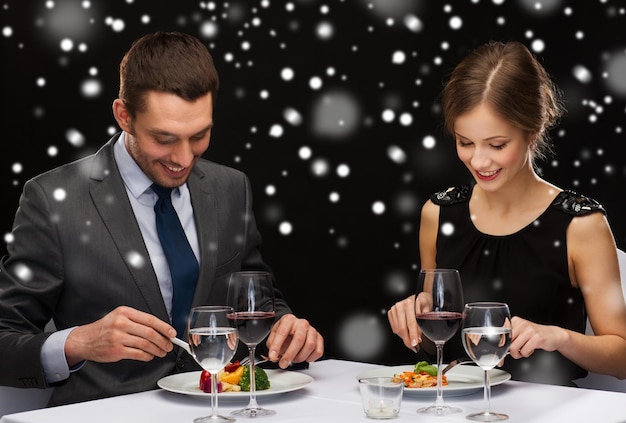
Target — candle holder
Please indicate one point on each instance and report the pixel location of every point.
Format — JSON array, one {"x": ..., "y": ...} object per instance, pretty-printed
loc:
[{"x": 381, "y": 397}]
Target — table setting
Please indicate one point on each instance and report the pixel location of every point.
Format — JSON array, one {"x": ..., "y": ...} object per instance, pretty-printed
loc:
[{"x": 334, "y": 390}]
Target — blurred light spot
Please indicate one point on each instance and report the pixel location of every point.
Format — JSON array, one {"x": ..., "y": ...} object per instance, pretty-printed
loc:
[
  {"x": 456, "y": 22},
  {"x": 429, "y": 142},
  {"x": 447, "y": 229},
  {"x": 398, "y": 57},
  {"x": 398, "y": 283},
  {"x": 17, "y": 168},
  {"x": 264, "y": 94},
  {"x": 276, "y": 131},
  {"x": 616, "y": 73},
  {"x": 413, "y": 23},
  {"x": 343, "y": 170},
  {"x": 145, "y": 19},
  {"x": 135, "y": 259},
  {"x": 320, "y": 167},
  {"x": 245, "y": 45},
  {"x": 543, "y": 6},
  {"x": 285, "y": 228},
  {"x": 388, "y": 115},
  {"x": 117, "y": 25},
  {"x": 9, "y": 238},
  {"x": 406, "y": 119},
  {"x": 91, "y": 88},
  {"x": 292, "y": 116},
  {"x": 325, "y": 30},
  {"x": 23, "y": 272},
  {"x": 396, "y": 154},
  {"x": 333, "y": 197},
  {"x": 75, "y": 137},
  {"x": 53, "y": 151},
  {"x": 59, "y": 194},
  {"x": 287, "y": 74},
  {"x": 66, "y": 44},
  {"x": 7, "y": 31},
  {"x": 209, "y": 29},
  {"x": 497, "y": 284},
  {"x": 335, "y": 115},
  {"x": 305, "y": 153},
  {"x": 361, "y": 336},
  {"x": 270, "y": 190},
  {"x": 538, "y": 46},
  {"x": 378, "y": 207},
  {"x": 406, "y": 204},
  {"x": 41, "y": 82},
  {"x": 315, "y": 82},
  {"x": 582, "y": 74}
]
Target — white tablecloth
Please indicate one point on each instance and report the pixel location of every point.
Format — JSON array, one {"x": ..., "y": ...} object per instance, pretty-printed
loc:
[{"x": 334, "y": 397}]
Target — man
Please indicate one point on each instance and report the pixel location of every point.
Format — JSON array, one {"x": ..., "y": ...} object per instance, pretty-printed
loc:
[{"x": 87, "y": 253}]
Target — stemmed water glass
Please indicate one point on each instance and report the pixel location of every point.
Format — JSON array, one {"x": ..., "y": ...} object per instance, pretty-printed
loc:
[
  {"x": 486, "y": 336},
  {"x": 213, "y": 341},
  {"x": 251, "y": 294},
  {"x": 439, "y": 311}
]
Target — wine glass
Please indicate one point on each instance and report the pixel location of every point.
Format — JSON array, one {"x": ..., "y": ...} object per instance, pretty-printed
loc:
[
  {"x": 486, "y": 336},
  {"x": 439, "y": 311},
  {"x": 251, "y": 294},
  {"x": 213, "y": 341}
]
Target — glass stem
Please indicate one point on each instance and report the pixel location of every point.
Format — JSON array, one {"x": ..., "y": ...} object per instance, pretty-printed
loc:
[
  {"x": 487, "y": 393},
  {"x": 213, "y": 394},
  {"x": 439, "y": 401},
  {"x": 252, "y": 404}
]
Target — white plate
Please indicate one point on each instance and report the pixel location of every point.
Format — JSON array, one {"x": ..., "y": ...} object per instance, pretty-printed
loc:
[
  {"x": 281, "y": 381},
  {"x": 462, "y": 380}
]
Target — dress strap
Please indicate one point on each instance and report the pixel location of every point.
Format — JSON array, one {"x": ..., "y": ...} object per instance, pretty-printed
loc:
[
  {"x": 576, "y": 204},
  {"x": 452, "y": 195}
]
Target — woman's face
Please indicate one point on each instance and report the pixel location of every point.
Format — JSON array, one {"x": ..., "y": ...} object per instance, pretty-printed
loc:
[{"x": 494, "y": 151}]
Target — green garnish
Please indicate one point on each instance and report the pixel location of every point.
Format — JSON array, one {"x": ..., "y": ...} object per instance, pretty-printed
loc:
[{"x": 424, "y": 366}]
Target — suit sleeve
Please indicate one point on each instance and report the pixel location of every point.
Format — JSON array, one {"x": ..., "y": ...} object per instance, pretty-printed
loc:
[{"x": 30, "y": 284}]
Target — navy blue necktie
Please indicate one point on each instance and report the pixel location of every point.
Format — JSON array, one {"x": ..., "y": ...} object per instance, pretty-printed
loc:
[{"x": 180, "y": 258}]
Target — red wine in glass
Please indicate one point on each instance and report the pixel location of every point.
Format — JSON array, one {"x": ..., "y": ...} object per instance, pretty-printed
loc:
[
  {"x": 438, "y": 326},
  {"x": 254, "y": 326},
  {"x": 439, "y": 310}
]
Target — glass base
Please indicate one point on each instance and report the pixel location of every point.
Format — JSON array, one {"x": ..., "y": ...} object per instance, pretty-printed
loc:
[
  {"x": 253, "y": 412},
  {"x": 214, "y": 419},
  {"x": 487, "y": 417},
  {"x": 439, "y": 410}
]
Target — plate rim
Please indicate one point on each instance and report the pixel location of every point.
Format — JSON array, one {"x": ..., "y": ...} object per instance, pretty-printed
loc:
[
  {"x": 498, "y": 377},
  {"x": 164, "y": 383}
]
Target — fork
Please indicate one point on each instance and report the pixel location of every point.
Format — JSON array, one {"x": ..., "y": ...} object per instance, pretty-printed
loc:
[{"x": 245, "y": 361}]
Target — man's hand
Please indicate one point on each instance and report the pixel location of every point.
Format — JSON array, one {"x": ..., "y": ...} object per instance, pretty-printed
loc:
[
  {"x": 294, "y": 340},
  {"x": 124, "y": 333}
]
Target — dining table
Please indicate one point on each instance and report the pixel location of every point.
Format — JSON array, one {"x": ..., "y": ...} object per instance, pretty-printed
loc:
[{"x": 332, "y": 395}]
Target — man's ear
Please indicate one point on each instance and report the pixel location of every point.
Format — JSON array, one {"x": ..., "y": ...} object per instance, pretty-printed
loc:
[{"x": 121, "y": 115}]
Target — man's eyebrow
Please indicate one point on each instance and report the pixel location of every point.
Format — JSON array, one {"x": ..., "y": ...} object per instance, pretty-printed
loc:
[{"x": 163, "y": 132}]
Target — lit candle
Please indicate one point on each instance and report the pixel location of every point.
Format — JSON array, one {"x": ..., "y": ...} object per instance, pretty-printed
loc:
[{"x": 381, "y": 409}]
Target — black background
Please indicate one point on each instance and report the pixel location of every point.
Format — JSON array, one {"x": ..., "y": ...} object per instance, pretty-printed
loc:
[{"x": 343, "y": 264}]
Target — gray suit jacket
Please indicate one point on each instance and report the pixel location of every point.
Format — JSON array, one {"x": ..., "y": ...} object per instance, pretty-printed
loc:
[{"x": 78, "y": 253}]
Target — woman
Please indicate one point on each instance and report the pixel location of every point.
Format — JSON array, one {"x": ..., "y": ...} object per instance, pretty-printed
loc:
[{"x": 549, "y": 253}]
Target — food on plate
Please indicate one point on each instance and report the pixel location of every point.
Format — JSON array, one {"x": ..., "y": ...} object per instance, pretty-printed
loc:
[
  {"x": 234, "y": 378},
  {"x": 424, "y": 375},
  {"x": 261, "y": 381}
]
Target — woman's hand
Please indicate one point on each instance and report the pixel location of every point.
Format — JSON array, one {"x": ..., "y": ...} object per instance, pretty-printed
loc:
[
  {"x": 402, "y": 320},
  {"x": 526, "y": 337}
]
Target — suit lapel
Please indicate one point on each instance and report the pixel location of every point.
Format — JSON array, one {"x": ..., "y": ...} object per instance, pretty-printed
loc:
[
  {"x": 205, "y": 217},
  {"x": 110, "y": 198}
]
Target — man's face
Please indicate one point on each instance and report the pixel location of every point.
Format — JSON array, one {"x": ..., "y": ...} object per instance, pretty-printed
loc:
[{"x": 169, "y": 136}]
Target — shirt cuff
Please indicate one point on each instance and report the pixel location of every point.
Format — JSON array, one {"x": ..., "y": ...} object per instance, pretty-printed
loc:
[{"x": 53, "y": 358}]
